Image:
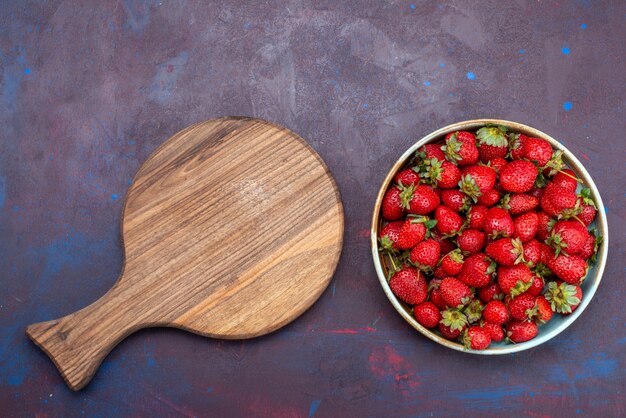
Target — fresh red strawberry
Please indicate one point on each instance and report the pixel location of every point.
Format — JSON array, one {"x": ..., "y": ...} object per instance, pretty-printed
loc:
[
  {"x": 537, "y": 149},
  {"x": 419, "y": 200},
  {"x": 521, "y": 306},
  {"x": 389, "y": 236},
  {"x": 566, "y": 179},
  {"x": 439, "y": 273},
  {"x": 496, "y": 312},
  {"x": 526, "y": 226},
  {"x": 448, "y": 221},
  {"x": 452, "y": 263},
  {"x": 461, "y": 148},
  {"x": 476, "y": 338},
  {"x": 426, "y": 253},
  {"x": 392, "y": 205},
  {"x": 492, "y": 143},
  {"x": 571, "y": 269},
  {"x": 521, "y": 331},
  {"x": 477, "y": 180},
  {"x": 519, "y": 203},
  {"x": 590, "y": 247},
  {"x": 441, "y": 174},
  {"x": 407, "y": 177},
  {"x": 471, "y": 241},
  {"x": 518, "y": 176},
  {"x": 568, "y": 237},
  {"x": 477, "y": 270},
  {"x": 547, "y": 253},
  {"x": 506, "y": 251},
  {"x": 544, "y": 225},
  {"x": 516, "y": 145},
  {"x": 496, "y": 332},
  {"x": 435, "y": 294},
  {"x": 587, "y": 214},
  {"x": 455, "y": 199},
  {"x": 536, "y": 192},
  {"x": 454, "y": 292},
  {"x": 564, "y": 298},
  {"x": 532, "y": 252},
  {"x": 558, "y": 201},
  {"x": 445, "y": 244},
  {"x": 427, "y": 314},
  {"x": 489, "y": 199},
  {"x": 473, "y": 311},
  {"x": 497, "y": 164},
  {"x": 498, "y": 223},
  {"x": 490, "y": 292},
  {"x": 476, "y": 217},
  {"x": 542, "y": 312},
  {"x": 429, "y": 151},
  {"x": 536, "y": 286},
  {"x": 514, "y": 280},
  {"x": 412, "y": 232},
  {"x": 409, "y": 286},
  {"x": 453, "y": 322}
]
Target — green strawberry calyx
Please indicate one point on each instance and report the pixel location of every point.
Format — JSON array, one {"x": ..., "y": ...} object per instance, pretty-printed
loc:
[
  {"x": 520, "y": 287},
  {"x": 492, "y": 135},
  {"x": 518, "y": 249},
  {"x": 562, "y": 297},
  {"x": 430, "y": 170},
  {"x": 454, "y": 319},
  {"x": 585, "y": 195},
  {"x": 469, "y": 187},
  {"x": 452, "y": 148},
  {"x": 555, "y": 164},
  {"x": 556, "y": 242},
  {"x": 473, "y": 311},
  {"x": 406, "y": 194}
]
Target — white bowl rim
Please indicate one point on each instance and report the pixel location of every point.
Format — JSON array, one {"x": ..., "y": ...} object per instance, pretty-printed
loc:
[{"x": 601, "y": 223}]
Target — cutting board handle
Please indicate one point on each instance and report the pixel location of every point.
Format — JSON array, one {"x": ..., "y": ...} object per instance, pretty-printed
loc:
[{"x": 77, "y": 343}]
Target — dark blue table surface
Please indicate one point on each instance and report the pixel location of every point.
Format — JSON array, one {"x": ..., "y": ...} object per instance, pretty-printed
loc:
[{"x": 89, "y": 89}]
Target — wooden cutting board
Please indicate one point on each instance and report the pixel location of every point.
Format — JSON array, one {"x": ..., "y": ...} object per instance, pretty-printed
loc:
[{"x": 231, "y": 229}]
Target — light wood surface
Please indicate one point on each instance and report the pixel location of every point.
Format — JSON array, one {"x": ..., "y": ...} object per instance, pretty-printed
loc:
[{"x": 231, "y": 229}]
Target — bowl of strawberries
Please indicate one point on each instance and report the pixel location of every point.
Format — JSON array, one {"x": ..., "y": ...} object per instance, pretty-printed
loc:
[{"x": 489, "y": 236}]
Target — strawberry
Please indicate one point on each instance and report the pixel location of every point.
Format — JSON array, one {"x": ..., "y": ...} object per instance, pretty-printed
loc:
[
  {"x": 427, "y": 314},
  {"x": 442, "y": 174},
  {"x": 452, "y": 263},
  {"x": 514, "y": 280},
  {"x": 506, "y": 251},
  {"x": 445, "y": 244},
  {"x": 477, "y": 270},
  {"x": 426, "y": 253},
  {"x": 492, "y": 143},
  {"x": 389, "y": 236},
  {"x": 532, "y": 252},
  {"x": 566, "y": 179},
  {"x": 590, "y": 247},
  {"x": 518, "y": 203},
  {"x": 526, "y": 226},
  {"x": 521, "y": 331},
  {"x": 435, "y": 294},
  {"x": 489, "y": 198},
  {"x": 448, "y": 221},
  {"x": 476, "y": 217},
  {"x": 490, "y": 292},
  {"x": 564, "y": 298},
  {"x": 477, "y": 180},
  {"x": 476, "y": 338},
  {"x": 542, "y": 312},
  {"x": 521, "y": 307},
  {"x": 497, "y": 164},
  {"x": 536, "y": 192},
  {"x": 407, "y": 177},
  {"x": 454, "y": 292},
  {"x": 409, "y": 286},
  {"x": 571, "y": 269},
  {"x": 496, "y": 312},
  {"x": 471, "y": 241},
  {"x": 474, "y": 311},
  {"x": 537, "y": 149},
  {"x": 413, "y": 231},
  {"x": 498, "y": 222},
  {"x": 558, "y": 201},
  {"x": 536, "y": 286},
  {"x": 567, "y": 237},
  {"x": 419, "y": 200},
  {"x": 454, "y": 199},
  {"x": 392, "y": 205},
  {"x": 429, "y": 151},
  {"x": 547, "y": 253},
  {"x": 518, "y": 176},
  {"x": 452, "y": 323},
  {"x": 495, "y": 331},
  {"x": 461, "y": 148},
  {"x": 516, "y": 145},
  {"x": 587, "y": 206},
  {"x": 439, "y": 273},
  {"x": 544, "y": 225}
]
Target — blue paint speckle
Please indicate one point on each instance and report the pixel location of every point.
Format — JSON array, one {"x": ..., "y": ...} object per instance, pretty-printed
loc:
[
  {"x": 471, "y": 76},
  {"x": 565, "y": 50},
  {"x": 531, "y": 394},
  {"x": 131, "y": 142},
  {"x": 521, "y": 51},
  {"x": 209, "y": 390},
  {"x": 366, "y": 105},
  {"x": 579, "y": 411},
  {"x": 441, "y": 64},
  {"x": 247, "y": 25},
  {"x": 427, "y": 83},
  {"x": 583, "y": 26},
  {"x": 567, "y": 106},
  {"x": 15, "y": 380},
  {"x": 412, "y": 7},
  {"x": 450, "y": 95},
  {"x": 3, "y": 191},
  {"x": 314, "y": 405},
  {"x": 114, "y": 196},
  {"x": 27, "y": 71},
  {"x": 606, "y": 210}
]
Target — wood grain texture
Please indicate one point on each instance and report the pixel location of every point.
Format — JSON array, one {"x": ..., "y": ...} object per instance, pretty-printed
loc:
[{"x": 231, "y": 229}]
